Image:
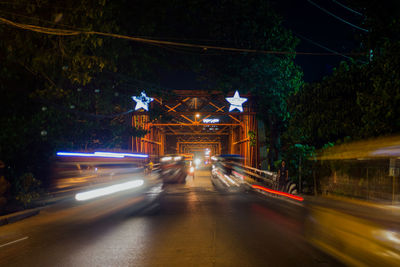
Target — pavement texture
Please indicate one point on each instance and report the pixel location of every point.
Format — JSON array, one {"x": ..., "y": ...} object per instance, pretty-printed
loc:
[
  {"x": 384, "y": 215},
  {"x": 192, "y": 225}
]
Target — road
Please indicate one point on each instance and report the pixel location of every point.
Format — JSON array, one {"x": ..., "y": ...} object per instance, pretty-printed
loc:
[{"x": 194, "y": 225}]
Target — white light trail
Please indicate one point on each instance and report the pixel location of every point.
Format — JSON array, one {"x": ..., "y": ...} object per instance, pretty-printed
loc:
[
  {"x": 164, "y": 159},
  {"x": 108, "y": 190},
  {"x": 108, "y": 154}
]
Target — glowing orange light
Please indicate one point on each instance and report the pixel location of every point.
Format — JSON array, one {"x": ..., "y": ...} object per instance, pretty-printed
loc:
[{"x": 278, "y": 192}]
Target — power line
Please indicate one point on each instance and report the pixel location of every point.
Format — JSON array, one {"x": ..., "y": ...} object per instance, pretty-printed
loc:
[
  {"x": 37, "y": 19},
  {"x": 348, "y": 8},
  {"x": 339, "y": 18},
  {"x": 64, "y": 32},
  {"x": 326, "y": 48}
]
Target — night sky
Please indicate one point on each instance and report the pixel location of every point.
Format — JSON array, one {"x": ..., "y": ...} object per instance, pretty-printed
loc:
[{"x": 306, "y": 20}]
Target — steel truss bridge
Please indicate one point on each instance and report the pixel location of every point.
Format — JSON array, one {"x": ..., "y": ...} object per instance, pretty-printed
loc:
[{"x": 195, "y": 120}]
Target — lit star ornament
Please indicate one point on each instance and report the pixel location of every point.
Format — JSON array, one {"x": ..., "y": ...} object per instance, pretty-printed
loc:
[
  {"x": 142, "y": 101},
  {"x": 236, "y": 102}
]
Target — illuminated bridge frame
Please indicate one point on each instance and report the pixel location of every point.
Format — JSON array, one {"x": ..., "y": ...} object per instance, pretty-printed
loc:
[{"x": 230, "y": 133}]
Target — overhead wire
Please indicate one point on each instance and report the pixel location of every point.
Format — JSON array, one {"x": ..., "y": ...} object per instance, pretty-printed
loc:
[
  {"x": 38, "y": 19},
  {"x": 64, "y": 32},
  {"x": 348, "y": 8},
  {"x": 337, "y": 17},
  {"x": 327, "y": 48}
]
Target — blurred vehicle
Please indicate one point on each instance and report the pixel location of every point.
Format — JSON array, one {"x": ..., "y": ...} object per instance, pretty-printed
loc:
[
  {"x": 354, "y": 241},
  {"x": 191, "y": 168},
  {"x": 77, "y": 170},
  {"x": 98, "y": 174},
  {"x": 226, "y": 172},
  {"x": 173, "y": 169},
  {"x": 227, "y": 162}
]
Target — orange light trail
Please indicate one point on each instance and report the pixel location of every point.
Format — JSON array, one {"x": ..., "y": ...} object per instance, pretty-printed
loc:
[{"x": 278, "y": 192}]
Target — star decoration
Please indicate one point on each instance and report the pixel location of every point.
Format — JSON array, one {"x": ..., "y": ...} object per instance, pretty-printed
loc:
[
  {"x": 142, "y": 101},
  {"x": 236, "y": 102}
]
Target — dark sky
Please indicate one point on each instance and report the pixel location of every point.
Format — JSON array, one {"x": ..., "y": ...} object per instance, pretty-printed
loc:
[
  {"x": 304, "y": 19},
  {"x": 308, "y": 21}
]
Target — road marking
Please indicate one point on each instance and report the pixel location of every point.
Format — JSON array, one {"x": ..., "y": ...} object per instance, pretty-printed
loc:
[{"x": 15, "y": 241}]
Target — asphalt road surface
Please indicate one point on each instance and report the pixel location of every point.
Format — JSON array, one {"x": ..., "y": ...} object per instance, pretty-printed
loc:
[{"x": 193, "y": 225}]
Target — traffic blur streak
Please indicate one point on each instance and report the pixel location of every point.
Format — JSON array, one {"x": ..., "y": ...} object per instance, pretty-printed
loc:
[
  {"x": 361, "y": 236},
  {"x": 226, "y": 174},
  {"x": 354, "y": 241},
  {"x": 94, "y": 175},
  {"x": 173, "y": 169},
  {"x": 262, "y": 188}
]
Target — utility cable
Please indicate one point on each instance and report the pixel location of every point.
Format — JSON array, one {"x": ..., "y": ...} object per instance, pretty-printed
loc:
[
  {"x": 348, "y": 8},
  {"x": 64, "y": 32},
  {"x": 339, "y": 18},
  {"x": 326, "y": 48}
]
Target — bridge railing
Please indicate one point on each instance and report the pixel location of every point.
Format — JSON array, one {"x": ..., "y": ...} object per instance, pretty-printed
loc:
[{"x": 258, "y": 176}]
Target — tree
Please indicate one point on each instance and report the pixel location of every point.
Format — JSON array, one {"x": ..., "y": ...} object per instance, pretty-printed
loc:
[
  {"x": 327, "y": 111},
  {"x": 359, "y": 100},
  {"x": 58, "y": 91}
]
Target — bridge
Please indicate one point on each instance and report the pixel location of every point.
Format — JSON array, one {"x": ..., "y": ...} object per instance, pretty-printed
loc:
[{"x": 194, "y": 121}]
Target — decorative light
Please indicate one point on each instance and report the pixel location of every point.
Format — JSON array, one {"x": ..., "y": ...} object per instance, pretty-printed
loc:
[
  {"x": 210, "y": 120},
  {"x": 236, "y": 102},
  {"x": 197, "y": 115},
  {"x": 142, "y": 101}
]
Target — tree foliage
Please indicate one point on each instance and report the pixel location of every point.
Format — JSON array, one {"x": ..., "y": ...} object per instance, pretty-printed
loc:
[
  {"x": 359, "y": 100},
  {"x": 58, "y": 92}
]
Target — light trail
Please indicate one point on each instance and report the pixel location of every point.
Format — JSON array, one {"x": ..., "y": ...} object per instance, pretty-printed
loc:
[
  {"x": 277, "y": 192},
  {"x": 105, "y": 191},
  {"x": 102, "y": 154}
]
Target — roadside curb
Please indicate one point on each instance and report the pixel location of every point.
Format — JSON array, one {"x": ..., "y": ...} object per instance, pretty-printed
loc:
[
  {"x": 24, "y": 214},
  {"x": 17, "y": 216}
]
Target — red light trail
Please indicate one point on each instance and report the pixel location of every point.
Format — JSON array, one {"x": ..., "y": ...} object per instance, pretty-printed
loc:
[{"x": 278, "y": 192}]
